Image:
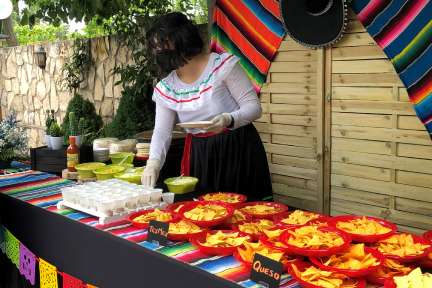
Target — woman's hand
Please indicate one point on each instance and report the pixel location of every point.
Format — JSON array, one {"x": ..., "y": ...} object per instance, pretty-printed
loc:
[
  {"x": 151, "y": 173},
  {"x": 219, "y": 123}
]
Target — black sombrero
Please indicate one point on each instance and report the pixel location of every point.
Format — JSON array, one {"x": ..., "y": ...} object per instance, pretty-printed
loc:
[{"x": 314, "y": 23}]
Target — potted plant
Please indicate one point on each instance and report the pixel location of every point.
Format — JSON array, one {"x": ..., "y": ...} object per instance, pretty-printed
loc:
[
  {"x": 13, "y": 140},
  {"x": 48, "y": 121},
  {"x": 56, "y": 136},
  {"x": 74, "y": 129}
]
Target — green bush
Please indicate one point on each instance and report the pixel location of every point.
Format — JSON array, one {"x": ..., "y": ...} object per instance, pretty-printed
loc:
[
  {"x": 82, "y": 108},
  {"x": 134, "y": 114}
]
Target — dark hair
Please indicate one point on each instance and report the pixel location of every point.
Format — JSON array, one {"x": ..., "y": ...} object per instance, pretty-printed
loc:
[{"x": 177, "y": 30}]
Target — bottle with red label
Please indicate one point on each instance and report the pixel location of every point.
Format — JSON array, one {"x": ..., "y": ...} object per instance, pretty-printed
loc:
[{"x": 72, "y": 154}]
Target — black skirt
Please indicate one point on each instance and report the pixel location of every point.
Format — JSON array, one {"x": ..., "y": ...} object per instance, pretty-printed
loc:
[{"x": 232, "y": 161}]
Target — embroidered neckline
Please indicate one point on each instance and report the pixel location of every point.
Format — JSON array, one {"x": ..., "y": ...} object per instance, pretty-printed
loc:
[{"x": 204, "y": 82}]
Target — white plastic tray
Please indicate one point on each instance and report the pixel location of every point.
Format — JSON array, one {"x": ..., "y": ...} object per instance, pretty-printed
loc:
[{"x": 103, "y": 218}]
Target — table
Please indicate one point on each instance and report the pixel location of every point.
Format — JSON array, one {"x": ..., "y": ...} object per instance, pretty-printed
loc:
[{"x": 114, "y": 255}]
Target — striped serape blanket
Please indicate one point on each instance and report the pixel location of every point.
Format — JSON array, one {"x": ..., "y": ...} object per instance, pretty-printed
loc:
[
  {"x": 253, "y": 30},
  {"x": 403, "y": 29}
]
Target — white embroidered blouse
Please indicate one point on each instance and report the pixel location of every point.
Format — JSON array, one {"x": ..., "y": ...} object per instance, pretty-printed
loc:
[{"x": 223, "y": 87}]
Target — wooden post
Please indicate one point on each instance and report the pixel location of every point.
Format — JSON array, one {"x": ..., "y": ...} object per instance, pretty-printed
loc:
[
  {"x": 320, "y": 151},
  {"x": 327, "y": 129}
]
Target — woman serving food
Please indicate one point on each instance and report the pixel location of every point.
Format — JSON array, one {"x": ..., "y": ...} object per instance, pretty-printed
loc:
[{"x": 212, "y": 93}]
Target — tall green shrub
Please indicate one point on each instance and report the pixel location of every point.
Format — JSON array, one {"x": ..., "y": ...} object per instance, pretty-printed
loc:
[{"x": 82, "y": 108}]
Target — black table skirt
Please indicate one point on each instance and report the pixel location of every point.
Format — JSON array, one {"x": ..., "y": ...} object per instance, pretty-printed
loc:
[{"x": 94, "y": 256}]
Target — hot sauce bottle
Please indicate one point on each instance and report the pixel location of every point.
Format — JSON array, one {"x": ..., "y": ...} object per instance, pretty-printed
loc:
[{"x": 72, "y": 154}]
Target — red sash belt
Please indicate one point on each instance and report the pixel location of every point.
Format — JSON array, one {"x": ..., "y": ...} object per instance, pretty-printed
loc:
[{"x": 185, "y": 163}]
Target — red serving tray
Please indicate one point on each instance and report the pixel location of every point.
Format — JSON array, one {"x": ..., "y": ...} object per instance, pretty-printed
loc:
[
  {"x": 196, "y": 241},
  {"x": 317, "y": 252},
  {"x": 350, "y": 272},
  {"x": 282, "y": 209},
  {"x": 278, "y": 219},
  {"x": 364, "y": 238},
  {"x": 407, "y": 259},
  {"x": 242, "y": 197},
  {"x": 145, "y": 225},
  {"x": 209, "y": 223},
  {"x": 255, "y": 237},
  {"x": 303, "y": 266}
]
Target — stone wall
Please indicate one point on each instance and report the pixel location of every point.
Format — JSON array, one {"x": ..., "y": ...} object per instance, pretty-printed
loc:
[{"x": 30, "y": 90}]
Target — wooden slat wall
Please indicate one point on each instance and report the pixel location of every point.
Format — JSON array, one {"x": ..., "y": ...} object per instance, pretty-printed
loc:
[
  {"x": 289, "y": 125},
  {"x": 381, "y": 156},
  {"x": 348, "y": 104}
]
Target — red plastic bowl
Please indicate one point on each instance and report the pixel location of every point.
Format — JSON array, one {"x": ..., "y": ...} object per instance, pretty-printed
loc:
[
  {"x": 266, "y": 242},
  {"x": 172, "y": 207},
  {"x": 254, "y": 237},
  {"x": 317, "y": 252},
  {"x": 351, "y": 272},
  {"x": 374, "y": 279},
  {"x": 361, "y": 283},
  {"x": 184, "y": 237},
  {"x": 210, "y": 223},
  {"x": 360, "y": 237},
  {"x": 427, "y": 262},
  {"x": 428, "y": 236},
  {"x": 144, "y": 212},
  {"x": 242, "y": 198},
  {"x": 281, "y": 207},
  {"x": 197, "y": 240},
  {"x": 228, "y": 222},
  {"x": 389, "y": 283},
  {"x": 278, "y": 219},
  {"x": 407, "y": 259}
]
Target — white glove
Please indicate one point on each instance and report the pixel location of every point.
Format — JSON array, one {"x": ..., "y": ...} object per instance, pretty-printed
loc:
[
  {"x": 219, "y": 123},
  {"x": 150, "y": 173}
]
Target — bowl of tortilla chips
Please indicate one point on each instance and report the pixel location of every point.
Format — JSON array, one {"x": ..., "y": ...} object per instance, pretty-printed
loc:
[
  {"x": 415, "y": 279},
  {"x": 176, "y": 206},
  {"x": 219, "y": 242},
  {"x": 315, "y": 241},
  {"x": 142, "y": 219},
  {"x": 206, "y": 213},
  {"x": 388, "y": 270},
  {"x": 263, "y": 209},
  {"x": 403, "y": 247},
  {"x": 183, "y": 230},
  {"x": 254, "y": 228},
  {"x": 310, "y": 276},
  {"x": 271, "y": 239},
  {"x": 298, "y": 218},
  {"x": 356, "y": 261},
  {"x": 233, "y": 199},
  {"x": 365, "y": 229}
]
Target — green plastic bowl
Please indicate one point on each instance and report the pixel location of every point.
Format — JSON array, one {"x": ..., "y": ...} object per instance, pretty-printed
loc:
[
  {"x": 118, "y": 157},
  {"x": 130, "y": 177},
  {"x": 181, "y": 185},
  {"x": 85, "y": 170},
  {"x": 126, "y": 165},
  {"x": 108, "y": 172}
]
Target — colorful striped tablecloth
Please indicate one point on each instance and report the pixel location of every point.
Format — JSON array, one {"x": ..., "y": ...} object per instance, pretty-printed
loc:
[{"x": 43, "y": 190}]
